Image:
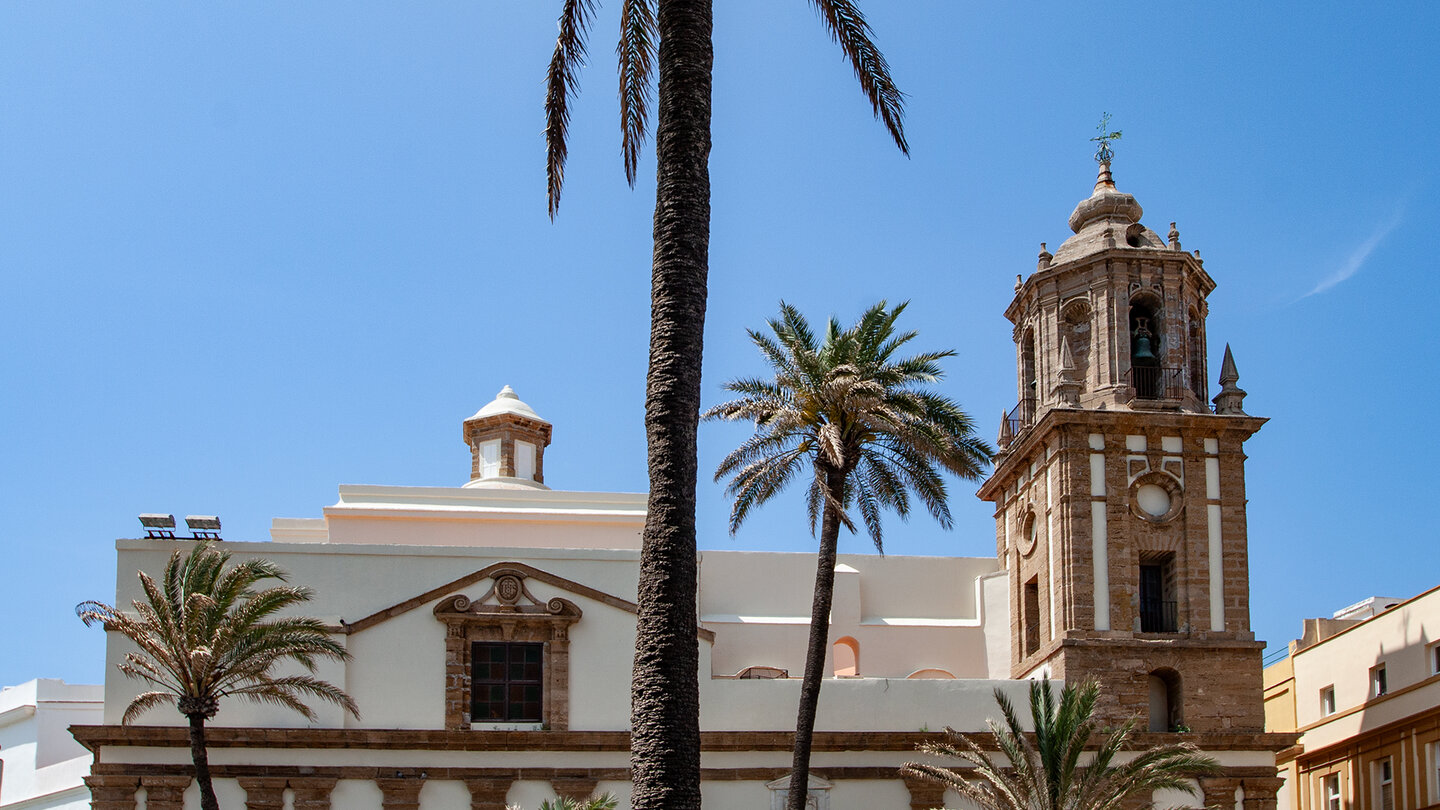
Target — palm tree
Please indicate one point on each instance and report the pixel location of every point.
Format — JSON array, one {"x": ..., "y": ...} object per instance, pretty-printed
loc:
[
  {"x": 675, "y": 37},
  {"x": 604, "y": 801},
  {"x": 1046, "y": 774},
  {"x": 871, "y": 432},
  {"x": 206, "y": 633}
]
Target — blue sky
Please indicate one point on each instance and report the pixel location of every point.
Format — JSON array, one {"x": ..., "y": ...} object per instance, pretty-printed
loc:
[{"x": 250, "y": 251}]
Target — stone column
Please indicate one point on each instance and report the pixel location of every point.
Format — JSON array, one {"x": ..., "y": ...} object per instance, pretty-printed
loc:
[
  {"x": 312, "y": 792},
  {"x": 577, "y": 786},
  {"x": 112, "y": 792},
  {"x": 1260, "y": 792},
  {"x": 263, "y": 793},
  {"x": 488, "y": 794},
  {"x": 400, "y": 794},
  {"x": 1220, "y": 791},
  {"x": 165, "y": 792},
  {"x": 924, "y": 794},
  {"x": 457, "y": 677}
]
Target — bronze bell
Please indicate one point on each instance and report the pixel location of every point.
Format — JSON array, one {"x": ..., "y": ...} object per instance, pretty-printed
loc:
[{"x": 1143, "y": 354}]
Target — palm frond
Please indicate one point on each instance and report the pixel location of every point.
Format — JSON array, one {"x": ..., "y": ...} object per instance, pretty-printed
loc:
[
  {"x": 1047, "y": 775},
  {"x": 561, "y": 82},
  {"x": 851, "y": 32},
  {"x": 637, "y": 63}
]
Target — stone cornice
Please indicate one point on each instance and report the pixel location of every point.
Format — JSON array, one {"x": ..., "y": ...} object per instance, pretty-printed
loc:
[
  {"x": 96, "y": 738},
  {"x": 1019, "y": 453}
]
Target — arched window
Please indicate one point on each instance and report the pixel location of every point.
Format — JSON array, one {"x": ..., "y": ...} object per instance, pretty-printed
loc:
[
  {"x": 1029, "y": 378},
  {"x": 1075, "y": 326},
  {"x": 1165, "y": 700},
  {"x": 846, "y": 653},
  {"x": 1147, "y": 349},
  {"x": 1196, "y": 341}
]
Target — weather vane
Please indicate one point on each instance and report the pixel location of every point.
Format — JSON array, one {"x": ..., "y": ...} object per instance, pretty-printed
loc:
[{"x": 1104, "y": 153}]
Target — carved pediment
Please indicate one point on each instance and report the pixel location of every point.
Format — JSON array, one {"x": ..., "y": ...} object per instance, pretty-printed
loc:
[{"x": 507, "y": 596}]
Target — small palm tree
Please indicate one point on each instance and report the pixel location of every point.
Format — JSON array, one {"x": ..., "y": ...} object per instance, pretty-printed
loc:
[
  {"x": 206, "y": 633},
  {"x": 871, "y": 432},
  {"x": 604, "y": 801},
  {"x": 1047, "y": 774}
]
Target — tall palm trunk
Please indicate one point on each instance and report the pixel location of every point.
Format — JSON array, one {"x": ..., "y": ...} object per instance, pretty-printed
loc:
[
  {"x": 201, "y": 756},
  {"x": 665, "y": 692},
  {"x": 819, "y": 641}
]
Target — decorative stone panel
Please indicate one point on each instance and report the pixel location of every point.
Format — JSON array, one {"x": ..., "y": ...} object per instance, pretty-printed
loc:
[
  {"x": 263, "y": 793},
  {"x": 165, "y": 792},
  {"x": 112, "y": 791}
]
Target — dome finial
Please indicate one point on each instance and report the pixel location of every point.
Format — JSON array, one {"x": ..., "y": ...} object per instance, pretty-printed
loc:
[{"x": 1103, "y": 153}]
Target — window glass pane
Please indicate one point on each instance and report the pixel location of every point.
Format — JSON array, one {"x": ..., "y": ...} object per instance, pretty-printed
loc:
[
  {"x": 489, "y": 703},
  {"x": 525, "y": 461}
]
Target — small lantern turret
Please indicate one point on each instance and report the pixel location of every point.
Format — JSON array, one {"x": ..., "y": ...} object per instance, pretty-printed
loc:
[{"x": 507, "y": 441}]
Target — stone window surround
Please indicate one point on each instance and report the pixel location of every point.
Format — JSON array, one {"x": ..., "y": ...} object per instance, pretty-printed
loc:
[{"x": 518, "y": 616}]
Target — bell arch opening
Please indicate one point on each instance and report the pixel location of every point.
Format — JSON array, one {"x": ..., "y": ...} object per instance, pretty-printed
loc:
[{"x": 1146, "y": 346}]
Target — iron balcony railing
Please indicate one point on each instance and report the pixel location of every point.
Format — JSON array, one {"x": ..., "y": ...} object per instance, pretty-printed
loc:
[
  {"x": 1156, "y": 382},
  {"x": 1158, "y": 616},
  {"x": 1019, "y": 418}
]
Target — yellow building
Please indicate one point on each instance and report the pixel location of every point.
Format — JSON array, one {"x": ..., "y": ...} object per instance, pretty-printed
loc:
[{"x": 1363, "y": 688}]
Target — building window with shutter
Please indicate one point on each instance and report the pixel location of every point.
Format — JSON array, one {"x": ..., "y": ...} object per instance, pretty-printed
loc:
[
  {"x": 1332, "y": 793},
  {"x": 1384, "y": 785},
  {"x": 1379, "y": 683}
]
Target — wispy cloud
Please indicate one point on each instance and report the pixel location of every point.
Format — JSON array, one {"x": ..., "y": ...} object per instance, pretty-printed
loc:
[{"x": 1358, "y": 257}]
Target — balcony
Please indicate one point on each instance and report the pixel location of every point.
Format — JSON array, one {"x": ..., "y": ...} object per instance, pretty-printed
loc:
[
  {"x": 1017, "y": 421},
  {"x": 1156, "y": 382},
  {"x": 1158, "y": 616}
]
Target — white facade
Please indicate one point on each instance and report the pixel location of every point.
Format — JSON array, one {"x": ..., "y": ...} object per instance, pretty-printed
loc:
[{"x": 41, "y": 765}]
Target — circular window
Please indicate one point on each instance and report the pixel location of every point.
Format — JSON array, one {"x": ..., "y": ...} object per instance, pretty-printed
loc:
[
  {"x": 1153, "y": 499},
  {"x": 1156, "y": 497}
]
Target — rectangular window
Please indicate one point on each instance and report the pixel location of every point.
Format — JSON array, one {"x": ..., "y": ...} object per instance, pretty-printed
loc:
[
  {"x": 1435, "y": 658},
  {"x": 1332, "y": 792},
  {"x": 1379, "y": 684},
  {"x": 490, "y": 458},
  {"x": 1385, "y": 785},
  {"x": 1157, "y": 595},
  {"x": 505, "y": 682},
  {"x": 524, "y": 460},
  {"x": 1327, "y": 701},
  {"x": 1030, "y": 614}
]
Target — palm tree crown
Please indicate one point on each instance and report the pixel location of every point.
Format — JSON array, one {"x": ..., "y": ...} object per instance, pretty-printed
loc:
[
  {"x": 205, "y": 633},
  {"x": 1047, "y": 774},
  {"x": 845, "y": 404}
]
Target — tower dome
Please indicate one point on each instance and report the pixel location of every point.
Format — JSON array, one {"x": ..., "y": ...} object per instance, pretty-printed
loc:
[
  {"x": 1108, "y": 218},
  {"x": 507, "y": 441}
]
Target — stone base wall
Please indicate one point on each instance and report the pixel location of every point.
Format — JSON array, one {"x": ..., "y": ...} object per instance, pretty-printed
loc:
[{"x": 1220, "y": 686}]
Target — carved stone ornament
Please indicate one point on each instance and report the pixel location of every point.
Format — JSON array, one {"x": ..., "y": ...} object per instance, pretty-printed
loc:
[
  {"x": 507, "y": 612},
  {"x": 1156, "y": 496}
]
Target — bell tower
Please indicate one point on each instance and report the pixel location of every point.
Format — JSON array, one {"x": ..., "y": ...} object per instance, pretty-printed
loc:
[{"x": 1119, "y": 491}]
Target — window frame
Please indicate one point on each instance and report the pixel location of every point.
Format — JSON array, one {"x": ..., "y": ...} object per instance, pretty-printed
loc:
[
  {"x": 1330, "y": 792},
  {"x": 1379, "y": 681},
  {"x": 513, "y": 713},
  {"x": 1382, "y": 782},
  {"x": 511, "y": 615},
  {"x": 1327, "y": 700}
]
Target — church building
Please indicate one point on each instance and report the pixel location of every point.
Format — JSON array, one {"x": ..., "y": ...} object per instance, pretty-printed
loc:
[{"x": 491, "y": 625}]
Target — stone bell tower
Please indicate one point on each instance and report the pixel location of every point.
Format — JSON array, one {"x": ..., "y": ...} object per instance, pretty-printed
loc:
[{"x": 1119, "y": 492}]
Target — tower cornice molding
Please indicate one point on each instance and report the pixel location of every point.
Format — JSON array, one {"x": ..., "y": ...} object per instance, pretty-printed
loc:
[{"x": 1128, "y": 422}]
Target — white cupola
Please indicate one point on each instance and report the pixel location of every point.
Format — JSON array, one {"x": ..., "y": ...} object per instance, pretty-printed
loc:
[{"x": 507, "y": 441}]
